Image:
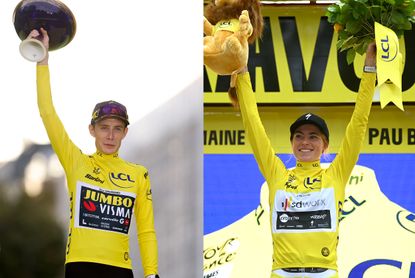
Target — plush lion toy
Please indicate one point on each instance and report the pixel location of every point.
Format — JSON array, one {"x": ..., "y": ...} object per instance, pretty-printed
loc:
[{"x": 229, "y": 27}]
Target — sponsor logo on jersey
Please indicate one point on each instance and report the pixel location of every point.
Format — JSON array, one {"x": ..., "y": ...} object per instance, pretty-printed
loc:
[
  {"x": 325, "y": 251},
  {"x": 289, "y": 183},
  {"x": 289, "y": 203},
  {"x": 103, "y": 209},
  {"x": 284, "y": 218},
  {"x": 89, "y": 206},
  {"x": 108, "y": 199},
  {"x": 91, "y": 177},
  {"x": 225, "y": 24},
  {"x": 308, "y": 220},
  {"x": 309, "y": 183},
  {"x": 121, "y": 180},
  {"x": 304, "y": 212},
  {"x": 149, "y": 194}
]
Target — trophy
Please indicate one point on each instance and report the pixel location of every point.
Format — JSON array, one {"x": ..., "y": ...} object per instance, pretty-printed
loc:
[{"x": 51, "y": 15}]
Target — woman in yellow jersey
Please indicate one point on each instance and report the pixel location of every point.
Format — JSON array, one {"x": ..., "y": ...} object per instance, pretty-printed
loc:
[
  {"x": 104, "y": 190},
  {"x": 305, "y": 202}
]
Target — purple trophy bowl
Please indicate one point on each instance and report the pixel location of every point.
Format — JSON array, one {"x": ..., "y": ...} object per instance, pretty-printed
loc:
[{"x": 51, "y": 15}]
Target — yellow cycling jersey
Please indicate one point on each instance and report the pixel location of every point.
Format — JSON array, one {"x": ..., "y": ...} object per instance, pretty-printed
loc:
[
  {"x": 104, "y": 191},
  {"x": 305, "y": 202},
  {"x": 231, "y": 25}
]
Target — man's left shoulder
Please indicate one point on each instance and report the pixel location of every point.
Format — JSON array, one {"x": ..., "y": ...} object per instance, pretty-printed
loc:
[{"x": 138, "y": 168}]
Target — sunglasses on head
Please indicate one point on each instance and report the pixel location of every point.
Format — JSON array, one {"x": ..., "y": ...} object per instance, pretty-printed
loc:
[{"x": 110, "y": 109}]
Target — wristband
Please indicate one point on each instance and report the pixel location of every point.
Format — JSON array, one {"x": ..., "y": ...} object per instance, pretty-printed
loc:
[{"x": 369, "y": 69}]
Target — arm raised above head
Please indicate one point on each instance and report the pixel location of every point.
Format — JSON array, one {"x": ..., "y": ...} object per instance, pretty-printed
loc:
[
  {"x": 356, "y": 129},
  {"x": 264, "y": 153}
]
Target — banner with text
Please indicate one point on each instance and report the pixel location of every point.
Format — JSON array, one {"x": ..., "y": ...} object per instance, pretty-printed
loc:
[{"x": 297, "y": 61}]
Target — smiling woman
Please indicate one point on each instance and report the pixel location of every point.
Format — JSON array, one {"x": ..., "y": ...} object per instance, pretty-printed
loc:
[{"x": 298, "y": 197}]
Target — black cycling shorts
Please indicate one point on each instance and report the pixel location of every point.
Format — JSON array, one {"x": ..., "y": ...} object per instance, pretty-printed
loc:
[{"x": 89, "y": 270}]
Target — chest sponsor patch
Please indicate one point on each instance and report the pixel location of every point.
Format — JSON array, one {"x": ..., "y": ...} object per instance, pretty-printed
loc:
[
  {"x": 102, "y": 209},
  {"x": 304, "y": 220},
  {"x": 304, "y": 212}
]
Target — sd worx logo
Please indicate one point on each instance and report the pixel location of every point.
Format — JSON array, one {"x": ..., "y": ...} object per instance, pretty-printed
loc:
[
  {"x": 120, "y": 180},
  {"x": 287, "y": 203}
]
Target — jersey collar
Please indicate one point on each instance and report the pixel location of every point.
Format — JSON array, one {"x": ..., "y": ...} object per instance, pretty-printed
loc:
[
  {"x": 106, "y": 156},
  {"x": 306, "y": 166}
]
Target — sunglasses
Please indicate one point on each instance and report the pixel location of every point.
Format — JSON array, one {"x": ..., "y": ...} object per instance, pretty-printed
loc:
[{"x": 110, "y": 109}]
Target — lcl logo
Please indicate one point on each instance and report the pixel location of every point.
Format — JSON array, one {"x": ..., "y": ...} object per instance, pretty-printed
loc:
[
  {"x": 389, "y": 49},
  {"x": 115, "y": 178}
]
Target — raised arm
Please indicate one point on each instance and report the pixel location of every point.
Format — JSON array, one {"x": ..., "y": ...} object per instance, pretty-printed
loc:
[
  {"x": 264, "y": 154},
  {"x": 59, "y": 139},
  {"x": 356, "y": 129},
  {"x": 145, "y": 227}
]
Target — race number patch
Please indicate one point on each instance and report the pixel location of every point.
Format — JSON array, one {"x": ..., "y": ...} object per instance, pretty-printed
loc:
[
  {"x": 101, "y": 209},
  {"x": 304, "y": 212}
]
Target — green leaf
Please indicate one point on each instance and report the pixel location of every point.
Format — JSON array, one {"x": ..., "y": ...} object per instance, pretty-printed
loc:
[
  {"x": 351, "y": 54},
  {"x": 333, "y": 9},
  {"x": 331, "y": 18},
  {"x": 343, "y": 35},
  {"x": 361, "y": 47},
  {"x": 399, "y": 33},
  {"x": 348, "y": 43},
  {"x": 397, "y": 18},
  {"x": 356, "y": 14},
  {"x": 346, "y": 10},
  {"x": 376, "y": 12},
  {"x": 407, "y": 26},
  {"x": 353, "y": 26}
]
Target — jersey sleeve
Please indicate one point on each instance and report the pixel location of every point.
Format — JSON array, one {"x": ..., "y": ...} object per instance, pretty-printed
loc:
[
  {"x": 145, "y": 227},
  {"x": 350, "y": 147},
  {"x": 267, "y": 161},
  {"x": 66, "y": 151}
]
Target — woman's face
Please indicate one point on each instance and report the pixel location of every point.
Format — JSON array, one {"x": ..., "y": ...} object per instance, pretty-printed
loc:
[
  {"x": 308, "y": 143},
  {"x": 108, "y": 134}
]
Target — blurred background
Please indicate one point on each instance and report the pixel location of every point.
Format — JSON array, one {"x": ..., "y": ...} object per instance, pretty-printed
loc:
[{"x": 124, "y": 51}]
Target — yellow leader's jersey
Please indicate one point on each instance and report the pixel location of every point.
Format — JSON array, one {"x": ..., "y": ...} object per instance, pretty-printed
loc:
[
  {"x": 231, "y": 25},
  {"x": 305, "y": 202},
  {"x": 104, "y": 191}
]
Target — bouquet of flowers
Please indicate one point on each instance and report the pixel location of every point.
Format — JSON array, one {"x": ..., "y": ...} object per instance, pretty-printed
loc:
[{"x": 354, "y": 21}]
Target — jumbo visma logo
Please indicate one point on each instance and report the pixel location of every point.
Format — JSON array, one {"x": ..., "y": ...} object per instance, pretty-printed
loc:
[
  {"x": 109, "y": 204},
  {"x": 109, "y": 199},
  {"x": 121, "y": 180},
  {"x": 105, "y": 210}
]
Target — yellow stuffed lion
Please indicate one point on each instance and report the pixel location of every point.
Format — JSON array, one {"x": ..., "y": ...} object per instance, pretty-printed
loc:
[{"x": 229, "y": 27}]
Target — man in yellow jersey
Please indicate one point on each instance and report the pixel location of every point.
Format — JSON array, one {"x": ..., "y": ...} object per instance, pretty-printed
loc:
[
  {"x": 104, "y": 190},
  {"x": 305, "y": 202}
]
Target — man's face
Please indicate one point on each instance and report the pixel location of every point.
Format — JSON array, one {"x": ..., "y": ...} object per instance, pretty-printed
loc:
[{"x": 108, "y": 134}]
